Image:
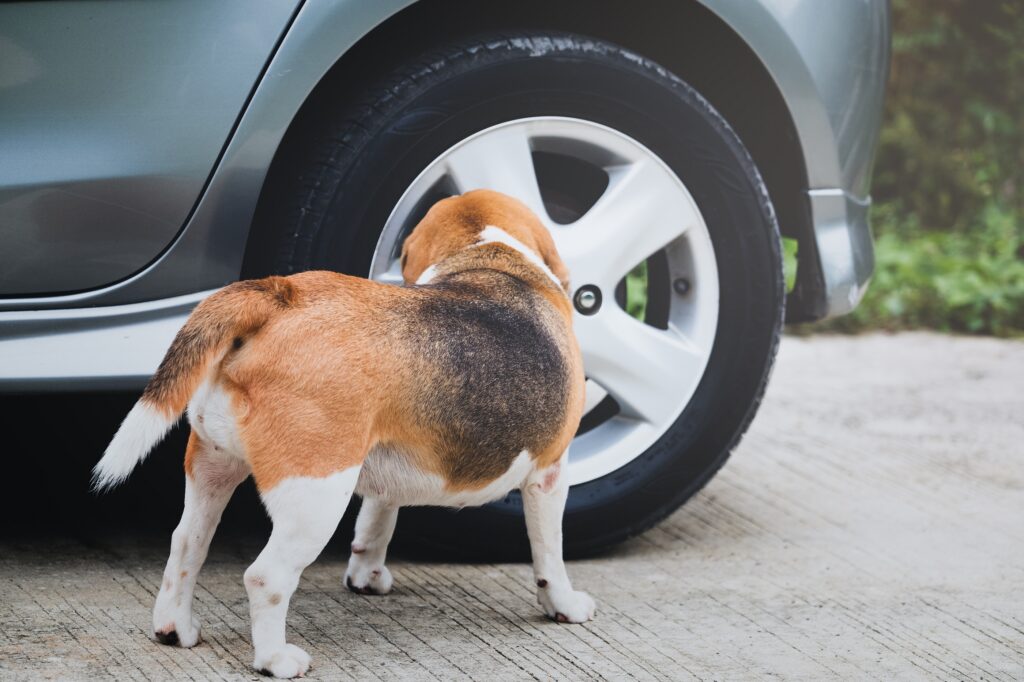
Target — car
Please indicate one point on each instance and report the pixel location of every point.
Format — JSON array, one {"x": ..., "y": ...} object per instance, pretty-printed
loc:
[{"x": 154, "y": 152}]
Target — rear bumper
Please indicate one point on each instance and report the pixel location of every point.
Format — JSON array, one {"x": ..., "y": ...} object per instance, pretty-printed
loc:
[{"x": 836, "y": 264}]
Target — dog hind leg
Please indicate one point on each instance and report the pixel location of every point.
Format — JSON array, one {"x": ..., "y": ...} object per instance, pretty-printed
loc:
[
  {"x": 366, "y": 572},
  {"x": 210, "y": 480},
  {"x": 305, "y": 512},
  {"x": 544, "y": 496}
]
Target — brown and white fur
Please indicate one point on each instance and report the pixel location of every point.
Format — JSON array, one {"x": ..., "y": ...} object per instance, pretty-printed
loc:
[{"x": 450, "y": 391}]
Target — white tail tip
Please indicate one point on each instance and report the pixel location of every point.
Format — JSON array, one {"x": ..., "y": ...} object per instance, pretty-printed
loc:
[{"x": 140, "y": 431}]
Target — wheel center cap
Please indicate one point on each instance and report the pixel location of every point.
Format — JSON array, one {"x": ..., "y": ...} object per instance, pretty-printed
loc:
[{"x": 587, "y": 299}]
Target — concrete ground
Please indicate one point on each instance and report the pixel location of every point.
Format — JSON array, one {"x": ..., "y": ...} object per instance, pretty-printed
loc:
[{"x": 871, "y": 525}]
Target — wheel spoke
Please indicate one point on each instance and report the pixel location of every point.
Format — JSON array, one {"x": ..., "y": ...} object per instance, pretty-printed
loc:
[
  {"x": 500, "y": 160},
  {"x": 642, "y": 367},
  {"x": 393, "y": 275},
  {"x": 595, "y": 393},
  {"x": 642, "y": 211}
]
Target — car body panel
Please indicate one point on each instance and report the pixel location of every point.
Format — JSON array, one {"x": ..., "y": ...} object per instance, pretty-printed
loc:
[
  {"x": 113, "y": 116},
  {"x": 208, "y": 252},
  {"x": 830, "y": 60},
  {"x": 836, "y": 115}
]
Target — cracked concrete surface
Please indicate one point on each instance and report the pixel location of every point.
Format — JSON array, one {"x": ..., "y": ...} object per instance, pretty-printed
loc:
[{"x": 870, "y": 525}]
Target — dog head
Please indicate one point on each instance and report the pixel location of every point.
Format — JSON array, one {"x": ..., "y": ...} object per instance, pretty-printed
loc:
[{"x": 457, "y": 223}]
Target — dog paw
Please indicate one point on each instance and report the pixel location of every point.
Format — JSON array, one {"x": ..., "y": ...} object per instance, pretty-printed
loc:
[
  {"x": 566, "y": 606},
  {"x": 173, "y": 634},
  {"x": 366, "y": 580},
  {"x": 285, "y": 663}
]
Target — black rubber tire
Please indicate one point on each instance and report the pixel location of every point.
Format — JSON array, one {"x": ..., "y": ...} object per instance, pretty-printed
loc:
[{"x": 370, "y": 148}]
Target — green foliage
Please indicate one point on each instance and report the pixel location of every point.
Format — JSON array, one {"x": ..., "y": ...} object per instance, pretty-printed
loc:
[
  {"x": 953, "y": 142},
  {"x": 636, "y": 291},
  {"x": 789, "y": 249}
]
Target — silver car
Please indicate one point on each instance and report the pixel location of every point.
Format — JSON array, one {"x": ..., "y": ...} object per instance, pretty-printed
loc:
[{"x": 151, "y": 152}]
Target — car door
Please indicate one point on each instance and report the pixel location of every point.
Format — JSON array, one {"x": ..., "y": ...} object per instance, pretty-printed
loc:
[{"x": 112, "y": 117}]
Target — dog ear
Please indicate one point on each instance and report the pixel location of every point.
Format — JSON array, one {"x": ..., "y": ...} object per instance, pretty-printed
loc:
[
  {"x": 548, "y": 252},
  {"x": 404, "y": 260}
]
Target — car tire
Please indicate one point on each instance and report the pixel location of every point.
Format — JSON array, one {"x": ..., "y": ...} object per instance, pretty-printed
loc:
[{"x": 365, "y": 150}]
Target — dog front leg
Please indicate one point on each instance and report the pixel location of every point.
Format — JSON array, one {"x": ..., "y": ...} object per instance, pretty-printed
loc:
[
  {"x": 366, "y": 572},
  {"x": 209, "y": 483},
  {"x": 544, "y": 497},
  {"x": 305, "y": 512}
]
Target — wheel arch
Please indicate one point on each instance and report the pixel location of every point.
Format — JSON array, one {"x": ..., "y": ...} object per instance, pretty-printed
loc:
[{"x": 679, "y": 34}]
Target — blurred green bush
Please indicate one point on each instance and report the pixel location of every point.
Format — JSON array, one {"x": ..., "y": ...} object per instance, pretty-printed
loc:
[{"x": 949, "y": 176}]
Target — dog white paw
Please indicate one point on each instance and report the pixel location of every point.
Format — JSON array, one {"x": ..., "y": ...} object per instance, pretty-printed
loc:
[
  {"x": 183, "y": 632},
  {"x": 285, "y": 663},
  {"x": 368, "y": 579},
  {"x": 566, "y": 606}
]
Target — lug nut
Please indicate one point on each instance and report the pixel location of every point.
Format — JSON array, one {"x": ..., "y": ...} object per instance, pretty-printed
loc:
[
  {"x": 681, "y": 286},
  {"x": 587, "y": 299}
]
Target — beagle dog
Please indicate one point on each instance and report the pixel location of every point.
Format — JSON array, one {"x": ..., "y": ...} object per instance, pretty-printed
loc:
[{"x": 452, "y": 390}]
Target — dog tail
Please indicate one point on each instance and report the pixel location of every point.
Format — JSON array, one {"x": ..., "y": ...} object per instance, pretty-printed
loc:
[{"x": 219, "y": 323}]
